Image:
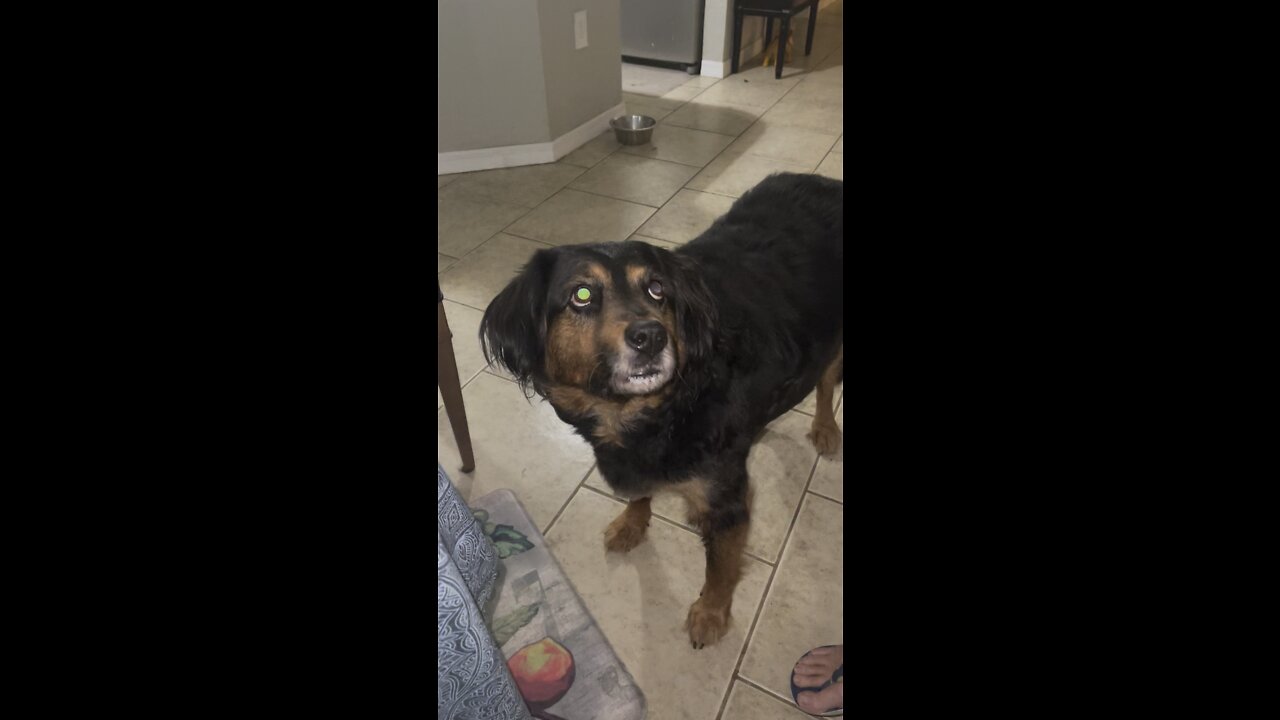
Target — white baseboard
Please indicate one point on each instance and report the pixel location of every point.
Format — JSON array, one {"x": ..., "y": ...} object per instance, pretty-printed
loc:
[
  {"x": 714, "y": 69},
  {"x": 587, "y": 131},
  {"x": 532, "y": 154}
]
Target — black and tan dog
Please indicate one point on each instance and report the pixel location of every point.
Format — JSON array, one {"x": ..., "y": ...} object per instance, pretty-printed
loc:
[{"x": 671, "y": 363}]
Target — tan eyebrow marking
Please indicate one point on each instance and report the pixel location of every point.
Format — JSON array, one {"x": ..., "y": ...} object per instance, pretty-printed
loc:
[{"x": 636, "y": 274}]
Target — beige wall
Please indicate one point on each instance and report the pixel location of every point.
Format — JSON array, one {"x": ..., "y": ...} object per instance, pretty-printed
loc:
[
  {"x": 508, "y": 73},
  {"x": 490, "y": 89},
  {"x": 581, "y": 84}
]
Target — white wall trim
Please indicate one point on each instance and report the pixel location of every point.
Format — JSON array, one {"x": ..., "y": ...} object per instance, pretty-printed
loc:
[
  {"x": 710, "y": 68},
  {"x": 587, "y": 131},
  {"x": 532, "y": 154}
]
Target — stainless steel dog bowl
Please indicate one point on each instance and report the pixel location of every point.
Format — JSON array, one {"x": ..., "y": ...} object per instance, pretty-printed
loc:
[{"x": 633, "y": 129}]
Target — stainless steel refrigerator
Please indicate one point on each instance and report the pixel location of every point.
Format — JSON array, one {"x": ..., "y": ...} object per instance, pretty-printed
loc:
[{"x": 663, "y": 32}]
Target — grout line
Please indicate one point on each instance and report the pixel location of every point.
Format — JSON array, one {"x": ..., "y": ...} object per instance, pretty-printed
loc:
[
  {"x": 633, "y": 202},
  {"x": 457, "y": 302},
  {"x": 767, "y": 691},
  {"x": 815, "y": 492},
  {"x": 768, "y": 587},
  {"x": 572, "y": 495},
  {"x": 522, "y": 237},
  {"x": 488, "y": 369}
]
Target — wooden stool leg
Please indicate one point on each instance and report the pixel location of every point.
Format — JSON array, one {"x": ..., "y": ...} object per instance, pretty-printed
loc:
[
  {"x": 782, "y": 46},
  {"x": 768, "y": 30},
  {"x": 451, "y": 389},
  {"x": 813, "y": 24},
  {"x": 737, "y": 42}
]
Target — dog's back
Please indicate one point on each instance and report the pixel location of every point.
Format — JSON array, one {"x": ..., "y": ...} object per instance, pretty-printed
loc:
[{"x": 775, "y": 263}]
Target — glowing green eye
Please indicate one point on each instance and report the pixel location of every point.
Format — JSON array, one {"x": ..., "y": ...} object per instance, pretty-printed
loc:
[{"x": 582, "y": 296}]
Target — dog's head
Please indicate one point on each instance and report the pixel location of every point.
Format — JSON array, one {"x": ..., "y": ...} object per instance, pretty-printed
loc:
[{"x": 618, "y": 319}]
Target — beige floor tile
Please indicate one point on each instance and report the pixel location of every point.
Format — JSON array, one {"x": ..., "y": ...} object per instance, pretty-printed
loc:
[
  {"x": 635, "y": 179},
  {"x": 701, "y": 81},
  {"x": 497, "y": 370},
  {"x": 809, "y": 405},
  {"x": 778, "y": 466},
  {"x": 734, "y": 174},
  {"x": 828, "y": 477},
  {"x": 640, "y": 600},
  {"x": 518, "y": 444},
  {"x": 823, "y": 117},
  {"x": 443, "y": 262},
  {"x": 525, "y": 186},
  {"x": 724, "y": 119},
  {"x": 830, "y": 72},
  {"x": 799, "y": 146},
  {"x": 464, "y": 221},
  {"x": 442, "y": 180},
  {"x": 748, "y": 703},
  {"x": 571, "y": 217},
  {"x": 758, "y": 93},
  {"x": 593, "y": 151},
  {"x": 839, "y": 146},
  {"x": 477, "y": 279},
  {"x": 817, "y": 92},
  {"x": 804, "y": 607},
  {"x": 686, "y": 216},
  {"x": 832, "y": 166},
  {"x": 666, "y": 104},
  {"x": 684, "y": 93},
  {"x": 465, "y": 323},
  {"x": 651, "y": 80},
  {"x": 642, "y": 108},
  {"x": 467, "y": 353},
  {"x": 682, "y": 145}
]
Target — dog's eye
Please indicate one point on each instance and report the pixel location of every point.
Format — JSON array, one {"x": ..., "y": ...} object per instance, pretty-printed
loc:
[
  {"x": 581, "y": 297},
  {"x": 655, "y": 289}
]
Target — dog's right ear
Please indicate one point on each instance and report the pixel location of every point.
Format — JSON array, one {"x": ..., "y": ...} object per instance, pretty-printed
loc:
[{"x": 514, "y": 328}]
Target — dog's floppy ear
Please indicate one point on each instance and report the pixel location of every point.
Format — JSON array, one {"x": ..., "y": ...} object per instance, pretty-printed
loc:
[
  {"x": 514, "y": 328},
  {"x": 695, "y": 306}
]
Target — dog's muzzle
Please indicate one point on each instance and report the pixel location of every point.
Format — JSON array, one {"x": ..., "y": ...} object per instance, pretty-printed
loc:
[{"x": 646, "y": 363}]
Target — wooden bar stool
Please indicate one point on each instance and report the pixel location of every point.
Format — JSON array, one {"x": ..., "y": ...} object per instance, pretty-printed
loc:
[
  {"x": 770, "y": 9},
  {"x": 451, "y": 385}
]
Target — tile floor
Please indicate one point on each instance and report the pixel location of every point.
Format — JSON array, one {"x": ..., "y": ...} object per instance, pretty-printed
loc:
[{"x": 715, "y": 139}]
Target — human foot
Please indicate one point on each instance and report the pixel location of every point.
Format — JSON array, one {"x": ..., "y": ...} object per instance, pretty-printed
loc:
[{"x": 817, "y": 682}]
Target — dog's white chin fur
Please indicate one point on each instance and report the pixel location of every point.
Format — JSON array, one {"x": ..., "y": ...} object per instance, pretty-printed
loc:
[{"x": 644, "y": 377}]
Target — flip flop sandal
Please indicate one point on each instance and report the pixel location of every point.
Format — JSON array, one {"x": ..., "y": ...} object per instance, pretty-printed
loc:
[{"x": 837, "y": 676}]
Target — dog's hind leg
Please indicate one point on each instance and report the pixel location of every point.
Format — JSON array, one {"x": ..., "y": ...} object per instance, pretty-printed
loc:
[
  {"x": 825, "y": 434},
  {"x": 628, "y": 529}
]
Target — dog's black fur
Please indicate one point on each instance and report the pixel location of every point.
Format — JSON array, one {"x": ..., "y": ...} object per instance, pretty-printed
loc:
[{"x": 755, "y": 307}]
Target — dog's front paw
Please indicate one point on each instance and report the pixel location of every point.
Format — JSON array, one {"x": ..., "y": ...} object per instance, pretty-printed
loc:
[
  {"x": 623, "y": 534},
  {"x": 826, "y": 438},
  {"x": 706, "y": 624}
]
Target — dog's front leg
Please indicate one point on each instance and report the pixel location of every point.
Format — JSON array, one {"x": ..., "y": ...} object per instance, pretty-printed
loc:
[
  {"x": 628, "y": 529},
  {"x": 724, "y": 532}
]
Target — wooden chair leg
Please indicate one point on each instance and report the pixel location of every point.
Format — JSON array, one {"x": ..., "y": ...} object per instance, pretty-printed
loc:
[
  {"x": 737, "y": 43},
  {"x": 451, "y": 389},
  {"x": 782, "y": 47},
  {"x": 813, "y": 25}
]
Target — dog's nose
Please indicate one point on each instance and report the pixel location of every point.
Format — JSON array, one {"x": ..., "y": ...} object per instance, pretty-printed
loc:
[{"x": 647, "y": 336}]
